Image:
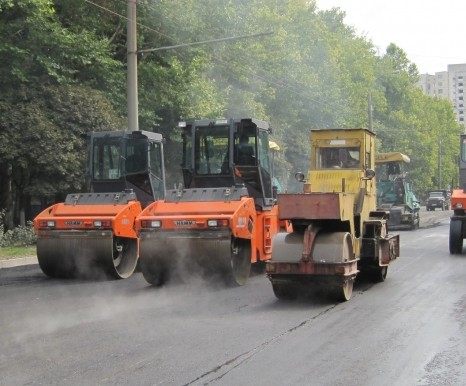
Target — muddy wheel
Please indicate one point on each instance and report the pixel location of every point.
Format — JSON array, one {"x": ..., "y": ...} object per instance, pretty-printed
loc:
[
  {"x": 285, "y": 291},
  {"x": 240, "y": 261},
  {"x": 415, "y": 221},
  {"x": 456, "y": 237},
  {"x": 379, "y": 274}
]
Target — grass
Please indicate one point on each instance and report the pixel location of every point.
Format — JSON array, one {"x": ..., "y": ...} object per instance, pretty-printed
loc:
[{"x": 14, "y": 252}]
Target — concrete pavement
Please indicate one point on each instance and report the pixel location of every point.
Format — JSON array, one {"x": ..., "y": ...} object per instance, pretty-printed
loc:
[{"x": 17, "y": 261}]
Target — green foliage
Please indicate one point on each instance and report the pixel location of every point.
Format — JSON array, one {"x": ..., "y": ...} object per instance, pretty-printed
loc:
[
  {"x": 38, "y": 46},
  {"x": 19, "y": 236},
  {"x": 63, "y": 74},
  {"x": 43, "y": 134}
]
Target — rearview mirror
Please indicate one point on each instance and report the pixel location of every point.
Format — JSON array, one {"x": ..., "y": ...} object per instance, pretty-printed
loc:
[
  {"x": 369, "y": 174},
  {"x": 299, "y": 176}
]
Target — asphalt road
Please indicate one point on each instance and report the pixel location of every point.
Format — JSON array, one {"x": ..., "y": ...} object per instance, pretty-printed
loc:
[{"x": 409, "y": 330}]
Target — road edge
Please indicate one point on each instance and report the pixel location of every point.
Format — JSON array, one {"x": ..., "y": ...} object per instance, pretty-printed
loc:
[{"x": 16, "y": 262}]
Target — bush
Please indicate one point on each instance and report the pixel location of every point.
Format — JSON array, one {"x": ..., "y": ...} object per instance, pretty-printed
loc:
[{"x": 20, "y": 236}]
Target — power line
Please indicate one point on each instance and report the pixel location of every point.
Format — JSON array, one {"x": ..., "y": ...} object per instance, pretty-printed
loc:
[
  {"x": 126, "y": 18},
  {"x": 205, "y": 42},
  {"x": 264, "y": 78}
]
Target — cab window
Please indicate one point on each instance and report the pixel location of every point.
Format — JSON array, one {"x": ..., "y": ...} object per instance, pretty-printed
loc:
[
  {"x": 338, "y": 158},
  {"x": 106, "y": 159}
]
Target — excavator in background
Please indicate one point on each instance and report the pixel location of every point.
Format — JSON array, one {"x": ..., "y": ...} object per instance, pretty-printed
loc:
[
  {"x": 224, "y": 216},
  {"x": 458, "y": 204},
  {"x": 394, "y": 191},
  {"x": 92, "y": 235},
  {"x": 337, "y": 230}
]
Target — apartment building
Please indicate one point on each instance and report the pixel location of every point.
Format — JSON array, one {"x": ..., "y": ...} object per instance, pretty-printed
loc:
[{"x": 450, "y": 85}]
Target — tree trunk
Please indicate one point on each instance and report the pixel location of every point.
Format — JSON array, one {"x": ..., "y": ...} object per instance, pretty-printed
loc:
[{"x": 6, "y": 195}]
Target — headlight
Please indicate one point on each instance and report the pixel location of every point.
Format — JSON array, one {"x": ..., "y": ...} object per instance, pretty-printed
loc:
[
  {"x": 217, "y": 223},
  {"x": 102, "y": 223},
  {"x": 151, "y": 224},
  {"x": 47, "y": 224}
]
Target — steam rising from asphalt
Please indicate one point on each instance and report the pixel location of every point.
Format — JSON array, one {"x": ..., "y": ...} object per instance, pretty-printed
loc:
[{"x": 106, "y": 301}]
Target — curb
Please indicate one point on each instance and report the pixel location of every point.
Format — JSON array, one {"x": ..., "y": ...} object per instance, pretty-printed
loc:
[{"x": 10, "y": 263}]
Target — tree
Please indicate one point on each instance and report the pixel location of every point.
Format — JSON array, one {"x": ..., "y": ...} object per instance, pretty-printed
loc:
[
  {"x": 43, "y": 142},
  {"x": 63, "y": 74},
  {"x": 43, "y": 118},
  {"x": 415, "y": 124}
]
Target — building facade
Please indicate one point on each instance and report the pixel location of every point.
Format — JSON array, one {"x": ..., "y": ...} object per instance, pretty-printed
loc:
[{"x": 449, "y": 85}]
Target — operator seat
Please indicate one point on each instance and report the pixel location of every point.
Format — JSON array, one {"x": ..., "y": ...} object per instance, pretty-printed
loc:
[{"x": 246, "y": 155}]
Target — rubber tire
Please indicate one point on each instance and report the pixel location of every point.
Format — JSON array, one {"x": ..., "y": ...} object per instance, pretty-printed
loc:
[
  {"x": 416, "y": 221},
  {"x": 379, "y": 274},
  {"x": 456, "y": 237}
]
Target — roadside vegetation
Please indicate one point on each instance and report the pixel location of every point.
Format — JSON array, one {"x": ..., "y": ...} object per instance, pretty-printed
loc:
[
  {"x": 16, "y": 240},
  {"x": 18, "y": 237},
  {"x": 63, "y": 75},
  {"x": 15, "y": 252}
]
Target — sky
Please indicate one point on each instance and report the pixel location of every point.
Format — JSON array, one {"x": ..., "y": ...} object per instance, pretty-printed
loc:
[{"x": 431, "y": 32}]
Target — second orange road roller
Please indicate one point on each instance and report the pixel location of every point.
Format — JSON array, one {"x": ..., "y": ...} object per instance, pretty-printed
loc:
[{"x": 222, "y": 219}]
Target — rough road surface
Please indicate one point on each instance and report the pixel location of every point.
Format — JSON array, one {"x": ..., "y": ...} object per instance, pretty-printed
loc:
[{"x": 409, "y": 330}]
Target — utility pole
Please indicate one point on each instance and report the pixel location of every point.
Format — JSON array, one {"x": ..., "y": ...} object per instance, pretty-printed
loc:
[
  {"x": 132, "y": 71},
  {"x": 132, "y": 61},
  {"x": 369, "y": 111},
  {"x": 439, "y": 162}
]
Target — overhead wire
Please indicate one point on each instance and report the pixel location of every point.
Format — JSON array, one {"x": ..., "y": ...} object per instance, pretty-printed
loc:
[
  {"x": 282, "y": 84},
  {"x": 266, "y": 78}
]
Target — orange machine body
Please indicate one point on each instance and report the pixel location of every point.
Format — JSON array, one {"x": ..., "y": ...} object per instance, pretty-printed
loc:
[
  {"x": 224, "y": 215},
  {"x": 238, "y": 219},
  {"x": 92, "y": 234},
  {"x": 120, "y": 218}
]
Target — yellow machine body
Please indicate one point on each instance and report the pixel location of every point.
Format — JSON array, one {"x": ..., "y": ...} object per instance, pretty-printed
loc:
[{"x": 337, "y": 230}]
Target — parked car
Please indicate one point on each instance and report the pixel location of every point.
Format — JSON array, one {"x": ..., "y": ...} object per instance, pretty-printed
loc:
[{"x": 438, "y": 199}]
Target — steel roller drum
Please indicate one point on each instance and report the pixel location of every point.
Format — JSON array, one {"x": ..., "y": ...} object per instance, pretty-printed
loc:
[
  {"x": 287, "y": 247},
  {"x": 328, "y": 247},
  {"x": 90, "y": 255},
  {"x": 162, "y": 258},
  {"x": 332, "y": 248}
]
